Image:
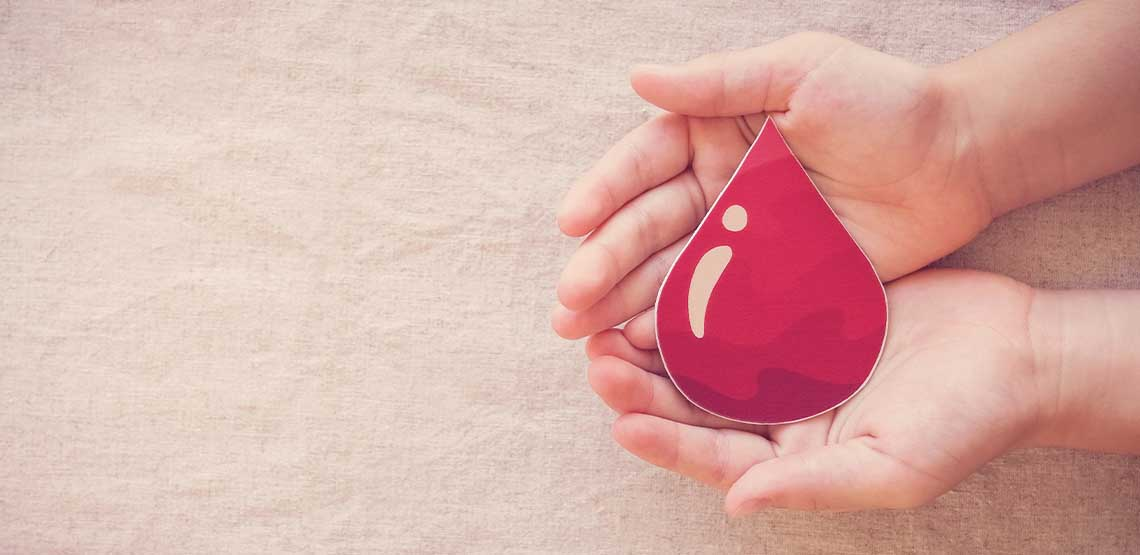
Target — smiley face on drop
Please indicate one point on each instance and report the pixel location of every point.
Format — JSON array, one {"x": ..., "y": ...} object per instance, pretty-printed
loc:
[{"x": 771, "y": 313}]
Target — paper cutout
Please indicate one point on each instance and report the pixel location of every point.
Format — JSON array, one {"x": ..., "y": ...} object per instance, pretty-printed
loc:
[{"x": 771, "y": 313}]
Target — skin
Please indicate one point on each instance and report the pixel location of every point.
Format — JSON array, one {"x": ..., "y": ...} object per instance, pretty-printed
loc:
[
  {"x": 880, "y": 449},
  {"x": 905, "y": 155},
  {"x": 886, "y": 158},
  {"x": 1014, "y": 368}
]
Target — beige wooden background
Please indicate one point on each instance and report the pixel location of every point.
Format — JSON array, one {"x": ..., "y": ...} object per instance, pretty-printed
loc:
[{"x": 275, "y": 277}]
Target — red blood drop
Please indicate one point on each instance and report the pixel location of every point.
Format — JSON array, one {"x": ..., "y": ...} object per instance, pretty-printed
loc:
[{"x": 795, "y": 323}]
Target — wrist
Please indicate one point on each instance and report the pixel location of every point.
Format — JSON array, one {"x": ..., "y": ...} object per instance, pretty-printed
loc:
[
  {"x": 1087, "y": 363},
  {"x": 1045, "y": 335},
  {"x": 985, "y": 158}
]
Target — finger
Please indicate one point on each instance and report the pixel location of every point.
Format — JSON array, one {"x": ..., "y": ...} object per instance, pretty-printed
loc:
[
  {"x": 801, "y": 436},
  {"x": 633, "y": 294},
  {"x": 611, "y": 342},
  {"x": 648, "y": 156},
  {"x": 760, "y": 79},
  {"x": 719, "y": 146},
  {"x": 646, "y": 225},
  {"x": 641, "y": 330},
  {"x": 627, "y": 388},
  {"x": 716, "y": 457},
  {"x": 845, "y": 476}
]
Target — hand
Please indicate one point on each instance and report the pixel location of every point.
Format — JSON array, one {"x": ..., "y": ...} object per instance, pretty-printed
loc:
[
  {"x": 881, "y": 138},
  {"x": 956, "y": 386}
]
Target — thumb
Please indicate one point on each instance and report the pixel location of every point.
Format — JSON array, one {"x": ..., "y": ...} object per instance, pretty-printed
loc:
[
  {"x": 846, "y": 476},
  {"x": 735, "y": 83}
]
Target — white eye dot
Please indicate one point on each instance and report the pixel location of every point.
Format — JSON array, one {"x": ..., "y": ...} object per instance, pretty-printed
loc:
[{"x": 735, "y": 218}]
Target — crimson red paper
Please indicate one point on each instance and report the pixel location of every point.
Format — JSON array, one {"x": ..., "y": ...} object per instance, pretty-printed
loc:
[{"x": 771, "y": 313}]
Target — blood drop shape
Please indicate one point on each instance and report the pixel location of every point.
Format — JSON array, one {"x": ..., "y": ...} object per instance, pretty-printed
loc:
[{"x": 771, "y": 313}]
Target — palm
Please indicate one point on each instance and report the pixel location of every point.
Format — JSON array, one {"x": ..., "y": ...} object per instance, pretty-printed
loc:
[
  {"x": 889, "y": 186},
  {"x": 877, "y": 135},
  {"x": 879, "y": 138},
  {"x": 947, "y": 396}
]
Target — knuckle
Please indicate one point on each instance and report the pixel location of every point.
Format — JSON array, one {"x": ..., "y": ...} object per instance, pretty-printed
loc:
[
  {"x": 638, "y": 161},
  {"x": 643, "y": 221},
  {"x": 720, "y": 467}
]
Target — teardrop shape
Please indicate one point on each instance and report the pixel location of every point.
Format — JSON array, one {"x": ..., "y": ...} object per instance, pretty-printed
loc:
[{"x": 771, "y": 313}]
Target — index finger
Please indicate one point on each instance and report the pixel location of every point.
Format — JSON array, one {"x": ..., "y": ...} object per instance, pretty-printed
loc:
[{"x": 651, "y": 154}]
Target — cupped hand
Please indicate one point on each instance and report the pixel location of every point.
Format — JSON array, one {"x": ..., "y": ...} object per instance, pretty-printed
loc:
[
  {"x": 955, "y": 387},
  {"x": 884, "y": 140}
]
